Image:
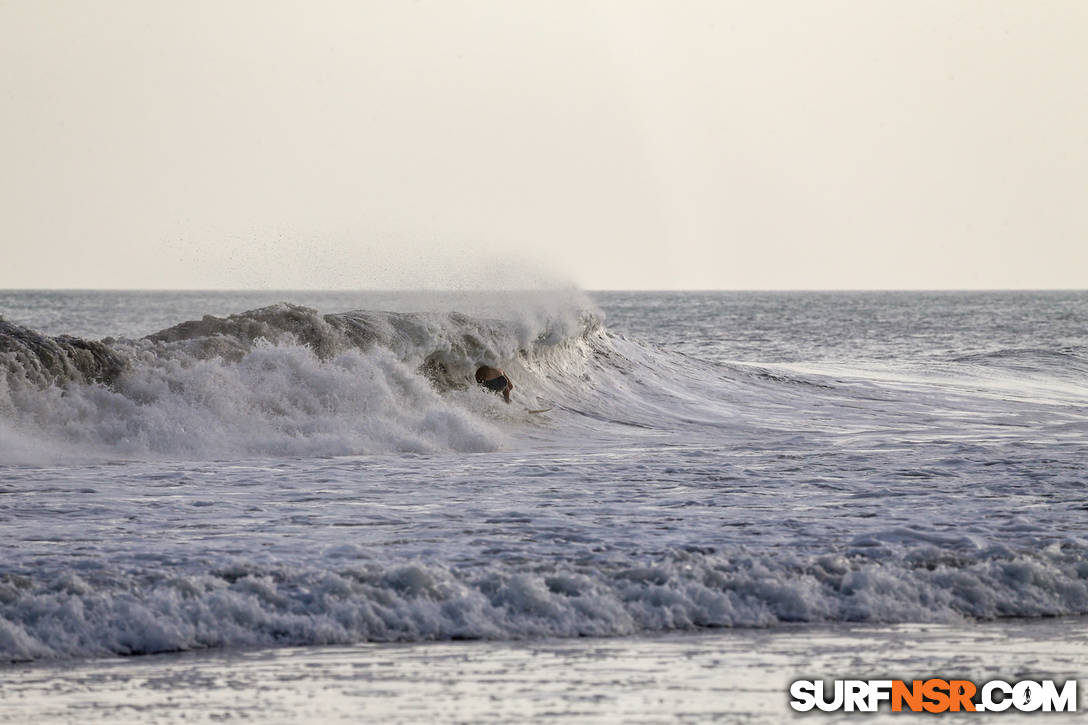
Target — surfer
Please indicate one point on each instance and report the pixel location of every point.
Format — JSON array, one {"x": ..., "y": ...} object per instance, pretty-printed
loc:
[{"x": 494, "y": 379}]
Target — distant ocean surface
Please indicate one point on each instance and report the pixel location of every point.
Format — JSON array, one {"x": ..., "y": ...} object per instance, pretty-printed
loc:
[{"x": 196, "y": 470}]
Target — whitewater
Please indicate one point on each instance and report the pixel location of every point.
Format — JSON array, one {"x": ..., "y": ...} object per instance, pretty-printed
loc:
[{"x": 240, "y": 471}]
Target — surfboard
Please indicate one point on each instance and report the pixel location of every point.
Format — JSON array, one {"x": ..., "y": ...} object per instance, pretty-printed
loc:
[{"x": 538, "y": 410}]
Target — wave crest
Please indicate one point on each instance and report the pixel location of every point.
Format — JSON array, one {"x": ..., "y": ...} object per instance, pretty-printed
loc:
[{"x": 283, "y": 379}]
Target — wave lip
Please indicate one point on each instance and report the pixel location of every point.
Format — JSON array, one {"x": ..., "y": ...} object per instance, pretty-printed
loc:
[
  {"x": 451, "y": 338},
  {"x": 45, "y": 360}
]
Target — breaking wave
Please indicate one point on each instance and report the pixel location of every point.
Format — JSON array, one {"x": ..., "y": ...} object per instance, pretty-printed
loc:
[
  {"x": 290, "y": 381},
  {"x": 283, "y": 379},
  {"x": 243, "y": 604}
]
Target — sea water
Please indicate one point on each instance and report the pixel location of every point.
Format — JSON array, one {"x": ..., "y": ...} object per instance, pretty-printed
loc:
[{"x": 240, "y": 472}]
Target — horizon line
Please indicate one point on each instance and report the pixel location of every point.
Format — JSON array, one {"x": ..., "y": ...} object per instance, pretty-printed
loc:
[{"x": 538, "y": 289}]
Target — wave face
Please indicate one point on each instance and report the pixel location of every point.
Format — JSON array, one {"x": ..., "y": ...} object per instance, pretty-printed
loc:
[
  {"x": 283, "y": 379},
  {"x": 284, "y": 476}
]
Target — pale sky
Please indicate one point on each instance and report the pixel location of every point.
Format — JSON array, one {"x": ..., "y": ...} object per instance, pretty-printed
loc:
[{"x": 634, "y": 145}]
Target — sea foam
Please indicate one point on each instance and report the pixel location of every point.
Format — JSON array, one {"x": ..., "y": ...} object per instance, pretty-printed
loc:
[
  {"x": 242, "y": 604},
  {"x": 283, "y": 476}
]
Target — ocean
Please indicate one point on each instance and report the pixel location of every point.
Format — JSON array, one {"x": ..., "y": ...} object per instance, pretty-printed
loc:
[{"x": 204, "y": 494}]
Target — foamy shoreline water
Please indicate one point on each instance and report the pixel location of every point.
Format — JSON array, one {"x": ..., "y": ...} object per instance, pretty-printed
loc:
[{"x": 732, "y": 676}]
